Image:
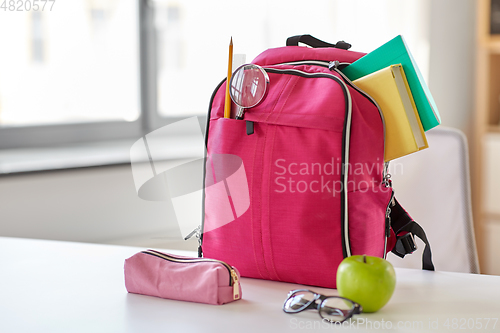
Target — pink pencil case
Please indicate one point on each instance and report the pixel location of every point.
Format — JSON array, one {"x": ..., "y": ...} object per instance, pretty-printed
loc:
[{"x": 181, "y": 278}]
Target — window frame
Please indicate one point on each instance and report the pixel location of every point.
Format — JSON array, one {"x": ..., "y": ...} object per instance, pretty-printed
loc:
[{"x": 37, "y": 136}]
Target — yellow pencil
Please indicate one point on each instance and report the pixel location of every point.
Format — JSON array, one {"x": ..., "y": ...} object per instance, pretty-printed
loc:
[{"x": 227, "y": 105}]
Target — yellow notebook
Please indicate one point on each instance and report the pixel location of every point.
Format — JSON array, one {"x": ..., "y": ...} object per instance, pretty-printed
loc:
[{"x": 404, "y": 133}]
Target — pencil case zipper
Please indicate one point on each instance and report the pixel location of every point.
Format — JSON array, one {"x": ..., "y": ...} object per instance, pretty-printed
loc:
[{"x": 233, "y": 276}]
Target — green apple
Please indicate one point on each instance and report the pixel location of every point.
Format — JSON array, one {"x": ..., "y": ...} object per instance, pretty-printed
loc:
[{"x": 368, "y": 281}]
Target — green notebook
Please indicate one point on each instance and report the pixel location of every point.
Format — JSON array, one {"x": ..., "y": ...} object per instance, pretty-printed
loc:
[{"x": 393, "y": 52}]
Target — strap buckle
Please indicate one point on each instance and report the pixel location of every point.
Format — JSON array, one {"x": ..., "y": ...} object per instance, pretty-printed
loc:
[{"x": 405, "y": 244}]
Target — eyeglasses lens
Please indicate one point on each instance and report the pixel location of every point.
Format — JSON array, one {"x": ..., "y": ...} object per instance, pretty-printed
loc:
[
  {"x": 335, "y": 309},
  {"x": 298, "y": 301}
]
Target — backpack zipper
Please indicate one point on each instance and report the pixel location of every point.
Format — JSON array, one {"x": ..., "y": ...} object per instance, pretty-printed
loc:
[
  {"x": 346, "y": 135},
  {"x": 386, "y": 176},
  {"x": 199, "y": 234},
  {"x": 346, "y": 248},
  {"x": 333, "y": 66},
  {"x": 388, "y": 222},
  {"x": 233, "y": 276},
  {"x": 308, "y": 62}
]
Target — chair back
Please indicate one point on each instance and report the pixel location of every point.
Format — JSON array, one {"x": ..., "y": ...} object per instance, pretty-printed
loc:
[{"x": 433, "y": 185}]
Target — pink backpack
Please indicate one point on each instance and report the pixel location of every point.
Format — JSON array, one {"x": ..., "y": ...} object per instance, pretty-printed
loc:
[{"x": 313, "y": 158}]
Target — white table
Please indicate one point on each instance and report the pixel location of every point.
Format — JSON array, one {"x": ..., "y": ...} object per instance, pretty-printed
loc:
[{"x": 50, "y": 286}]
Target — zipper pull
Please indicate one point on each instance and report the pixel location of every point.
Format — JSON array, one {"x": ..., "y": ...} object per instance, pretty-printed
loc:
[
  {"x": 240, "y": 113},
  {"x": 250, "y": 129},
  {"x": 387, "y": 176},
  {"x": 236, "y": 285},
  {"x": 388, "y": 215},
  {"x": 388, "y": 222},
  {"x": 195, "y": 232},
  {"x": 333, "y": 65}
]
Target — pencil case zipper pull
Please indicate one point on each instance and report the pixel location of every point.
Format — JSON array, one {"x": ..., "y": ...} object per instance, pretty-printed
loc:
[{"x": 236, "y": 284}]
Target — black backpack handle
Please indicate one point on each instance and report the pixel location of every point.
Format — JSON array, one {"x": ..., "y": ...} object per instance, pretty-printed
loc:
[{"x": 315, "y": 42}]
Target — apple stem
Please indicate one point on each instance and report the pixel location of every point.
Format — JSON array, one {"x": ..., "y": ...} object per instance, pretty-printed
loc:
[{"x": 364, "y": 259}]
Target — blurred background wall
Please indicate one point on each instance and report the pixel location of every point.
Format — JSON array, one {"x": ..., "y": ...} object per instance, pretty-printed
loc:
[{"x": 80, "y": 83}]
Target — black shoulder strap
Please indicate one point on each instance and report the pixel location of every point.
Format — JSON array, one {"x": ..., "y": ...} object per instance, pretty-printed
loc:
[{"x": 402, "y": 222}]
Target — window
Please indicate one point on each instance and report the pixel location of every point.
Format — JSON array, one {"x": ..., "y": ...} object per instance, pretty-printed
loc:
[
  {"x": 107, "y": 69},
  {"x": 70, "y": 73},
  {"x": 192, "y": 37},
  {"x": 37, "y": 41}
]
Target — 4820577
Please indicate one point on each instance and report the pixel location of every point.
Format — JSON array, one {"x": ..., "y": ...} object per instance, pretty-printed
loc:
[{"x": 26, "y": 5}]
